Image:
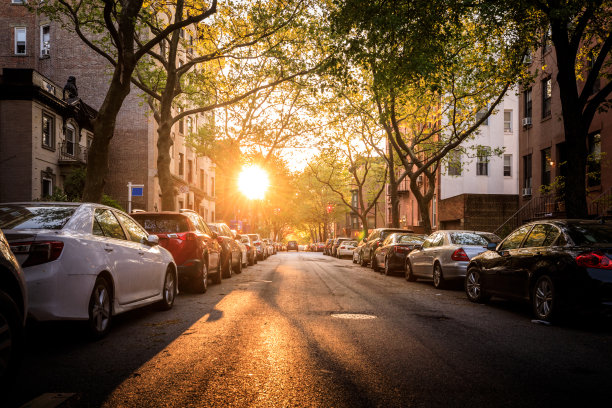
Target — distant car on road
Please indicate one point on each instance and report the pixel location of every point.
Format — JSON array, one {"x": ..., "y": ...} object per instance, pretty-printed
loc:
[
  {"x": 445, "y": 255},
  {"x": 559, "y": 266},
  {"x": 85, "y": 261},
  {"x": 292, "y": 246}
]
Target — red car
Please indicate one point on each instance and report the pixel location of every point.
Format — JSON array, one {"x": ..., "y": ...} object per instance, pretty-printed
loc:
[{"x": 193, "y": 245}]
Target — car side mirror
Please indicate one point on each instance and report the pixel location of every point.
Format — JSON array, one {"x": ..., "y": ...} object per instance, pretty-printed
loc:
[
  {"x": 418, "y": 247},
  {"x": 491, "y": 246},
  {"x": 213, "y": 235},
  {"x": 152, "y": 240},
  {"x": 365, "y": 240}
]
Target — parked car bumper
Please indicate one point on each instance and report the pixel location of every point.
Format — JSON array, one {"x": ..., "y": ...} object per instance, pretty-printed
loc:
[
  {"x": 189, "y": 270},
  {"x": 455, "y": 270}
]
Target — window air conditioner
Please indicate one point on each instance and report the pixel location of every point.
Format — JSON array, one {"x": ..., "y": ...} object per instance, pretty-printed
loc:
[
  {"x": 527, "y": 191},
  {"x": 45, "y": 52},
  {"x": 527, "y": 121},
  {"x": 420, "y": 180}
]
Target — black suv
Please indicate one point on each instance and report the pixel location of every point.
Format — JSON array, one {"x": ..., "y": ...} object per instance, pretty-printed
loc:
[
  {"x": 292, "y": 245},
  {"x": 373, "y": 241}
]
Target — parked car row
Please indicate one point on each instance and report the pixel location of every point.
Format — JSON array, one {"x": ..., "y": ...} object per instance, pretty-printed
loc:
[
  {"x": 90, "y": 262},
  {"x": 558, "y": 266}
]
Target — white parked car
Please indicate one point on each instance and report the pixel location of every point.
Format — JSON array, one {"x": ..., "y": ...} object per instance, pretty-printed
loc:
[
  {"x": 86, "y": 261},
  {"x": 346, "y": 248}
]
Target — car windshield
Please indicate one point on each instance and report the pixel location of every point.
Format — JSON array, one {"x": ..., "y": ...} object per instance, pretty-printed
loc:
[
  {"x": 350, "y": 243},
  {"x": 472, "y": 238},
  {"x": 159, "y": 224},
  {"x": 35, "y": 216},
  {"x": 410, "y": 239},
  {"x": 588, "y": 234}
]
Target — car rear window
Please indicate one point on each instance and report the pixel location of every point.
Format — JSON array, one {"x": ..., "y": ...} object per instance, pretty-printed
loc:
[
  {"x": 160, "y": 224},
  {"x": 470, "y": 238},
  {"x": 410, "y": 239},
  {"x": 35, "y": 216},
  {"x": 589, "y": 234}
]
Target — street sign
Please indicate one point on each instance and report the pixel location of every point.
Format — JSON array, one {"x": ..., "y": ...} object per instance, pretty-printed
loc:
[
  {"x": 134, "y": 190},
  {"x": 137, "y": 191}
]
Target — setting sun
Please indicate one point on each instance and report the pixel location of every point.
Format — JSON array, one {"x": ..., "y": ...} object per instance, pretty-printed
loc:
[{"x": 253, "y": 182}]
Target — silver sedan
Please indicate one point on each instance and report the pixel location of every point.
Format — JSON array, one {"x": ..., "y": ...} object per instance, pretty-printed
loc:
[{"x": 445, "y": 255}]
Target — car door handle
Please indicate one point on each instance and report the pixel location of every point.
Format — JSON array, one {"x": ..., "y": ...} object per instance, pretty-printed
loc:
[{"x": 109, "y": 249}]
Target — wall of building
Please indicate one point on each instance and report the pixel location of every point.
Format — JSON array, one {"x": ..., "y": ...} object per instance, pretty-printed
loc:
[{"x": 16, "y": 156}]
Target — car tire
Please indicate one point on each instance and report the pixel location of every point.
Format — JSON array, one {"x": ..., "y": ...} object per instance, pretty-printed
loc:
[
  {"x": 239, "y": 268},
  {"x": 218, "y": 277},
  {"x": 409, "y": 273},
  {"x": 12, "y": 338},
  {"x": 387, "y": 269},
  {"x": 251, "y": 261},
  {"x": 362, "y": 261},
  {"x": 438, "y": 277},
  {"x": 473, "y": 286},
  {"x": 227, "y": 270},
  {"x": 375, "y": 267},
  {"x": 354, "y": 260},
  {"x": 545, "y": 299},
  {"x": 201, "y": 282},
  {"x": 168, "y": 291},
  {"x": 100, "y": 309}
]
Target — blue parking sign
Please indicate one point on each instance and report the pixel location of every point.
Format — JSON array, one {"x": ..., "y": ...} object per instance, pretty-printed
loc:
[{"x": 137, "y": 191}]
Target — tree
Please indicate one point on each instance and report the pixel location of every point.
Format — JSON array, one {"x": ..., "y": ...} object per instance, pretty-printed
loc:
[
  {"x": 119, "y": 32},
  {"x": 235, "y": 58},
  {"x": 433, "y": 72},
  {"x": 581, "y": 32}
]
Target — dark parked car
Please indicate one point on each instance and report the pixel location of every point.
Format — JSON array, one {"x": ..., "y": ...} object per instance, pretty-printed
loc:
[
  {"x": 259, "y": 246},
  {"x": 231, "y": 255},
  {"x": 13, "y": 311},
  {"x": 373, "y": 241},
  {"x": 328, "y": 246},
  {"x": 556, "y": 265},
  {"x": 292, "y": 246},
  {"x": 193, "y": 245},
  {"x": 391, "y": 254}
]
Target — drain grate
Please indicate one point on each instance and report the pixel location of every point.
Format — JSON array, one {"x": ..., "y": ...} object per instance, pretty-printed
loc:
[{"x": 353, "y": 316}]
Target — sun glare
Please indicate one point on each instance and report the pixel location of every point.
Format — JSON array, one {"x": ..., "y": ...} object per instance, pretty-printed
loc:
[{"x": 253, "y": 182}]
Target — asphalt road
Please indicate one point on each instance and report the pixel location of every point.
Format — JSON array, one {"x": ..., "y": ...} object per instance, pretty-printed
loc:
[{"x": 307, "y": 330}]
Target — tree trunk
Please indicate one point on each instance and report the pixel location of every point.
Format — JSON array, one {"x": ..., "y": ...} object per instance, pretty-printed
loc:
[
  {"x": 395, "y": 216},
  {"x": 104, "y": 129}
]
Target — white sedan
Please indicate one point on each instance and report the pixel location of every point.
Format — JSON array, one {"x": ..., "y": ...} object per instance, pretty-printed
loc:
[
  {"x": 346, "y": 248},
  {"x": 86, "y": 261}
]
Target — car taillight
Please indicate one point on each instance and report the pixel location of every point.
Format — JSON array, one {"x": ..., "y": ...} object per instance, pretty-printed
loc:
[
  {"x": 38, "y": 252},
  {"x": 258, "y": 243},
  {"x": 459, "y": 255},
  {"x": 594, "y": 259},
  {"x": 401, "y": 249}
]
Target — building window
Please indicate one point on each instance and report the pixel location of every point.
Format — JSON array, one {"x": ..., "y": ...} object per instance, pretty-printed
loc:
[
  {"x": 481, "y": 114},
  {"x": 212, "y": 216},
  {"x": 190, "y": 171},
  {"x": 454, "y": 163},
  {"x": 47, "y": 181},
  {"x": 594, "y": 160},
  {"x": 45, "y": 41},
  {"x": 18, "y": 1},
  {"x": 527, "y": 171},
  {"x": 48, "y": 129},
  {"x": 546, "y": 166},
  {"x": 181, "y": 169},
  {"x": 508, "y": 121},
  {"x": 212, "y": 188},
  {"x": 354, "y": 198},
  {"x": 20, "y": 40},
  {"x": 507, "y": 165},
  {"x": 70, "y": 141},
  {"x": 547, "y": 42},
  {"x": 527, "y": 103},
  {"x": 546, "y": 97},
  {"x": 189, "y": 124},
  {"x": 482, "y": 161},
  {"x": 202, "y": 180}
]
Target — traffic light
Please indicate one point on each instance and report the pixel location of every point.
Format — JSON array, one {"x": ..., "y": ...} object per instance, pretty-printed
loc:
[{"x": 330, "y": 208}]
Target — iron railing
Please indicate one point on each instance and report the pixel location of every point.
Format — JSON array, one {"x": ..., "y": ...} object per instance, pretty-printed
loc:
[{"x": 71, "y": 152}]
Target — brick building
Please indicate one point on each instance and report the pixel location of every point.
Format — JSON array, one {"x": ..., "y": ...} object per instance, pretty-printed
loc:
[{"x": 32, "y": 41}]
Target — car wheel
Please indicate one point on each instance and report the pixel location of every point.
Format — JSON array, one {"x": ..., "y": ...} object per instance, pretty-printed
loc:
[
  {"x": 545, "y": 299},
  {"x": 239, "y": 268},
  {"x": 473, "y": 286},
  {"x": 354, "y": 260},
  {"x": 438, "y": 277},
  {"x": 252, "y": 260},
  {"x": 387, "y": 269},
  {"x": 201, "y": 283},
  {"x": 218, "y": 277},
  {"x": 227, "y": 270},
  {"x": 100, "y": 309},
  {"x": 168, "y": 291},
  {"x": 408, "y": 271},
  {"x": 362, "y": 261},
  {"x": 11, "y": 340},
  {"x": 375, "y": 267}
]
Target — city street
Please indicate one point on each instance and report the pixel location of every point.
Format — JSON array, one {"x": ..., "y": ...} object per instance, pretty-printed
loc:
[{"x": 304, "y": 329}]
